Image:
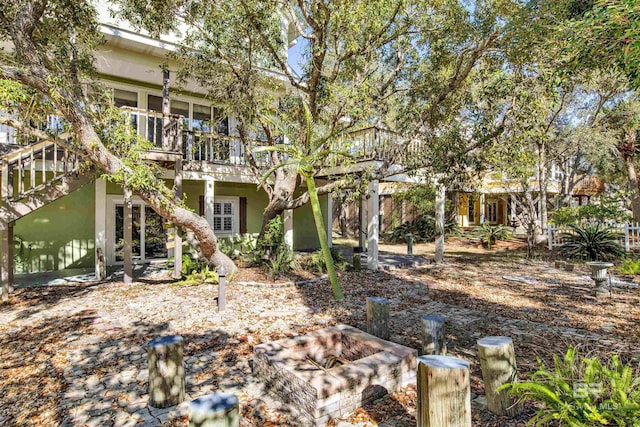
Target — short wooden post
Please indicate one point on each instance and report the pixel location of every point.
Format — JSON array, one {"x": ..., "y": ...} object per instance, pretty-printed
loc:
[
  {"x": 498, "y": 363},
  {"x": 166, "y": 371},
  {"x": 222, "y": 289},
  {"x": 378, "y": 317},
  {"x": 214, "y": 410},
  {"x": 357, "y": 262},
  {"x": 434, "y": 337},
  {"x": 444, "y": 392}
]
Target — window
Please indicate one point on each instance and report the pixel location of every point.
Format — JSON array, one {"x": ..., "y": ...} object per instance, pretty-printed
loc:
[
  {"x": 125, "y": 98},
  {"x": 225, "y": 215},
  {"x": 492, "y": 211}
]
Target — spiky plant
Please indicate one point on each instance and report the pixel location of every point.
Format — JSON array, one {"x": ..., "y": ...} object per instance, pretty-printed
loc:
[{"x": 593, "y": 241}]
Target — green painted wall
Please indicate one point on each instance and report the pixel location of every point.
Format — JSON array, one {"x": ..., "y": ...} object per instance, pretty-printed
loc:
[
  {"x": 59, "y": 235},
  {"x": 305, "y": 236},
  {"x": 256, "y": 201}
]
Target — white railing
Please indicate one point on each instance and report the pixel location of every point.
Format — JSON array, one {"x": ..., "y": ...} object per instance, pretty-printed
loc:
[{"x": 629, "y": 235}]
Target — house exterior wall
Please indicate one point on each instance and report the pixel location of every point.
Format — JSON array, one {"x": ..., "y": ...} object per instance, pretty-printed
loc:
[
  {"x": 305, "y": 236},
  {"x": 60, "y": 235}
]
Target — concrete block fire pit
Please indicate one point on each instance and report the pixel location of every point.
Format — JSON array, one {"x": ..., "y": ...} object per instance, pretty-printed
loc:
[{"x": 331, "y": 372}]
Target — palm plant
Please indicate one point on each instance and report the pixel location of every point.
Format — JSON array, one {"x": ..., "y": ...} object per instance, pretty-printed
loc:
[
  {"x": 306, "y": 156},
  {"x": 592, "y": 241}
]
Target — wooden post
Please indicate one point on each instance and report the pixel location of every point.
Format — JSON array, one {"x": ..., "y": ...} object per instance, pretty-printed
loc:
[
  {"x": 440, "y": 223},
  {"x": 127, "y": 218},
  {"x": 498, "y": 363},
  {"x": 222, "y": 289},
  {"x": 550, "y": 236},
  {"x": 177, "y": 235},
  {"x": 444, "y": 392},
  {"x": 7, "y": 261},
  {"x": 214, "y": 410},
  {"x": 373, "y": 230},
  {"x": 7, "y": 190},
  {"x": 626, "y": 237},
  {"x": 166, "y": 371},
  {"x": 166, "y": 111},
  {"x": 357, "y": 262},
  {"x": 434, "y": 337},
  {"x": 378, "y": 317}
]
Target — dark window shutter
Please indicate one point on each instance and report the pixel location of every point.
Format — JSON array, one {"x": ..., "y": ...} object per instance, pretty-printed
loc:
[
  {"x": 243, "y": 215},
  {"x": 201, "y": 206}
]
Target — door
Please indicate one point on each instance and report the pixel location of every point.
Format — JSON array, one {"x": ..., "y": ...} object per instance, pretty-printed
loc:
[{"x": 149, "y": 237}]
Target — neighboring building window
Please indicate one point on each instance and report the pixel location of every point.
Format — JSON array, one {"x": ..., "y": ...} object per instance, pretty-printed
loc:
[
  {"x": 472, "y": 209},
  {"x": 225, "y": 215}
]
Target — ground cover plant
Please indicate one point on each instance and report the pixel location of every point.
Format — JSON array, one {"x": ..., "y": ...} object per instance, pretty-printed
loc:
[{"x": 583, "y": 391}]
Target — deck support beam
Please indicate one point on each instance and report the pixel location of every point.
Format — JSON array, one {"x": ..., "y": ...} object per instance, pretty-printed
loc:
[
  {"x": 177, "y": 235},
  {"x": 7, "y": 260},
  {"x": 373, "y": 231},
  {"x": 127, "y": 219},
  {"x": 100, "y": 228}
]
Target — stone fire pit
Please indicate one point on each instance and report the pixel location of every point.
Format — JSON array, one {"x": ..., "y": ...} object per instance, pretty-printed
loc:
[{"x": 331, "y": 372}]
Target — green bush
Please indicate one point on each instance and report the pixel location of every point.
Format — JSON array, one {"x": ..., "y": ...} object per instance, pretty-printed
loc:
[
  {"x": 238, "y": 247},
  {"x": 593, "y": 242},
  {"x": 422, "y": 228},
  {"x": 489, "y": 234},
  {"x": 273, "y": 253},
  {"x": 607, "y": 209},
  {"x": 582, "y": 392},
  {"x": 315, "y": 261},
  {"x": 630, "y": 267},
  {"x": 195, "y": 272}
]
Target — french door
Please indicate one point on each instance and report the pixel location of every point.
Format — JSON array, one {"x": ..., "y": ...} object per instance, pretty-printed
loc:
[{"x": 149, "y": 237}]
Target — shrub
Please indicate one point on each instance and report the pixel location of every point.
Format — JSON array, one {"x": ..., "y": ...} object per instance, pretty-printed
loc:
[
  {"x": 630, "y": 267},
  {"x": 422, "y": 228},
  {"x": 593, "y": 241},
  {"x": 582, "y": 392},
  {"x": 273, "y": 253},
  {"x": 196, "y": 272},
  {"x": 607, "y": 209},
  {"x": 315, "y": 261},
  {"x": 489, "y": 234}
]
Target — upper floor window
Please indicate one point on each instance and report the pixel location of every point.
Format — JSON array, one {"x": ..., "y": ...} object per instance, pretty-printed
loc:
[{"x": 125, "y": 98}]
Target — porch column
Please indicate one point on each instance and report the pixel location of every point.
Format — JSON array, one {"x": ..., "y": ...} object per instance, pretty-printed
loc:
[
  {"x": 166, "y": 111},
  {"x": 363, "y": 224},
  {"x": 373, "y": 229},
  {"x": 128, "y": 237},
  {"x": 177, "y": 234},
  {"x": 440, "y": 202},
  {"x": 100, "y": 235},
  {"x": 512, "y": 216},
  {"x": 209, "y": 187},
  {"x": 329, "y": 223},
  {"x": 7, "y": 260},
  {"x": 287, "y": 219},
  {"x": 505, "y": 213},
  {"x": 482, "y": 207}
]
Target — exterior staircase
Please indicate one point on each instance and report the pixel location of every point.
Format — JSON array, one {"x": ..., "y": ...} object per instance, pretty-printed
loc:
[{"x": 35, "y": 176}]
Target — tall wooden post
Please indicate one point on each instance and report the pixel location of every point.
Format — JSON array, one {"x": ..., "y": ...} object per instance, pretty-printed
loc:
[
  {"x": 7, "y": 260},
  {"x": 177, "y": 236},
  {"x": 498, "y": 363},
  {"x": 127, "y": 219},
  {"x": 440, "y": 202},
  {"x": 444, "y": 392}
]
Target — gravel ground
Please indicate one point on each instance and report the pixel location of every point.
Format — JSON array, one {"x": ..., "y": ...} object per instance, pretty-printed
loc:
[{"x": 74, "y": 354}]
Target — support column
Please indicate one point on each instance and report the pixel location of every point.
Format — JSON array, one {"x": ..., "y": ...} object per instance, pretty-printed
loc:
[
  {"x": 373, "y": 229},
  {"x": 209, "y": 192},
  {"x": 128, "y": 237},
  {"x": 7, "y": 260},
  {"x": 440, "y": 214},
  {"x": 177, "y": 235},
  {"x": 166, "y": 111},
  {"x": 483, "y": 218},
  {"x": 363, "y": 224},
  {"x": 287, "y": 218},
  {"x": 329, "y": 223},
  {"x": 100, "y": 236}
]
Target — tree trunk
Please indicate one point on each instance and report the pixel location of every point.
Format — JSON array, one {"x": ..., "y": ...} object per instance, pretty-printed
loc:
[
  {"x": 440, "y": 202},
  {"x": 632, "y": 178},
  {"x": 322, "y": 236},
  {"x": 542, "y": 182}
]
